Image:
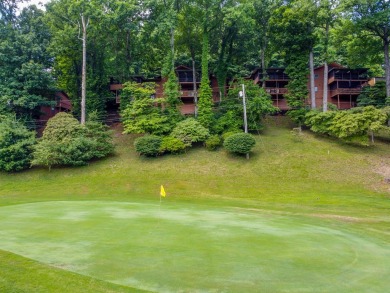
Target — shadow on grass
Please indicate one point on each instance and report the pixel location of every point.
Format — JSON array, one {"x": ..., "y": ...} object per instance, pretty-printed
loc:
[{"x": 347, "y": 146}]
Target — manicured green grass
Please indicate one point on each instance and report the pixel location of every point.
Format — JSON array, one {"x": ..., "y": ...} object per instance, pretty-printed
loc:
[
  {"x": 187, "y": 247},
  {"x": 19, "y": 274},
  {"x": 303, "y": 214}
]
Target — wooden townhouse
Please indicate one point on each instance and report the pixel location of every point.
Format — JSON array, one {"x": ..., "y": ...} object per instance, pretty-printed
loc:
[
  {"x": 187, "y": 82},
  {"x": 62, "y": 104},
  {"x": 275, "y": 82},
  {"x": 343, "y": 84}
]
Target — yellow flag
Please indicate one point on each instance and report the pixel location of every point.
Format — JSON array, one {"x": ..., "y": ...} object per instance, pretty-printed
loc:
[{"x": 162, "y": 191}]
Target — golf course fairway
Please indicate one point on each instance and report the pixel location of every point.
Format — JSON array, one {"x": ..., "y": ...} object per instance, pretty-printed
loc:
[{"x": 183, "y": 247}]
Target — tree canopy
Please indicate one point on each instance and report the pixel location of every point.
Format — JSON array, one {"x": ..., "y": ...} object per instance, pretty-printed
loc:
[{"x": 41, "y": 50}]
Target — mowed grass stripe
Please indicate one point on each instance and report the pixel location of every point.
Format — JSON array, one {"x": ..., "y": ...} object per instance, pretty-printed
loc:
[{"x": 186, "y": 247}]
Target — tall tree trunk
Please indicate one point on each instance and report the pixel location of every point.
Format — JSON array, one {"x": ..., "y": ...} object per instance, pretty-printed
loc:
[
  {"x": 194, "y": 87},
  {"x": 325, "y": 93},
  {"x": 222, "y": 66},
  {"x": 263, "y": 67},
  {"x": 84, "y": 24},
  {"x": 387, "y": 67},
  {"x": 325, "y": 89},
  {"x": 312, "y": 89}
]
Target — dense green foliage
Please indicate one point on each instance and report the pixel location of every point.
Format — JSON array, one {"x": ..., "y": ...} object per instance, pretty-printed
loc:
[
  {"x": 16, "y": 145},
  {"x": 25, "y": 80},
  {"x": 371, "y": 17},
  {"x": 101, "y": 136},
  {"x": 205, "y": 103},
  {"x": 230, "y": 120},
  {"x": 373, "y": 96},
  {"x": 297, "y": 89},
  {"x": 144, "y": 114},
  {"x": 239, "y": 143},
  {"x": 351, "y": 126},
  {"x": 172, "y": 145},
  {"x": 171, "y": 91},
  {"x": 135, "y": 91},
  {"x": 149, "y": 145},
  {"x": 139, "y": 40},
  {"x": 66, "y": 142},
  {"x": 258, "y": 105},
  {"x": 190, "y": 131},
  {"x": 225, "y": 135},
  {"x": 320, "y": 122},
  {"x": 213, "y": 142}
]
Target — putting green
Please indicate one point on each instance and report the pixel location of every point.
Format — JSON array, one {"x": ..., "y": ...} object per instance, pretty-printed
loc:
[{"x": 191, "y": 248}]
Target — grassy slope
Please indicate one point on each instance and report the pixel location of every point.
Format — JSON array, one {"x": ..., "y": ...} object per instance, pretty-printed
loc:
[
  {"x": 308, "y": 175},
  {"x": 19, "y": 274}
]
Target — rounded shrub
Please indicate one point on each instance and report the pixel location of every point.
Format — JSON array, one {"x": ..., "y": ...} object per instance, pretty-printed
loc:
[
  {"x": 62, "y": 126},
  {"x": 190, "y": 131},
  {"x": 213, "y": 142},
  {"x": 172, "y": 145},
  {"x": 148, "y": 146},
  {"x": 239, "y": 143},
  {"x": 16, "y": 145},
  {"x": 66, "y": 142},
  {"x": 229, "y": 133}
]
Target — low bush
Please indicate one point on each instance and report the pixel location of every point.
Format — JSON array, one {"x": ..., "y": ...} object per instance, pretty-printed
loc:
[
  {"x": 352, "y": 125},
  {"x": 101, "y": 137},
  {"x": 190, "y": 131},
  {"x": 239, "y": 143},
  {"x": 229, "y": 121},
  {"x": 172, "y": 145},
  {"x": 66, "y": 142},
  {"x": 213, "y": 142},
  {"x": 230, "y": 133},
  {"x": 148, "y": 145},
  {"x": 16, "y": 145}
]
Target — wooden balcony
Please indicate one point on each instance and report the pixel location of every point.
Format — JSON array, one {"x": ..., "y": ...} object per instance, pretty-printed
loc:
[
  {"x": 188, "y": 79},
  {"x": 187, "y": 94},
  {"x": 116, "y": 86},
  {"x": 277, "y": 76},
  {"x": 337, "y": 74},
  {"x": 345, "y": 91},
  {"x": 276, "y": 91},
  {"x": 187, "y": 109}
]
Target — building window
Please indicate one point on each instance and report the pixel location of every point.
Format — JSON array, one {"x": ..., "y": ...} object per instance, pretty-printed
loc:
[{"x": 315, "y": 76}]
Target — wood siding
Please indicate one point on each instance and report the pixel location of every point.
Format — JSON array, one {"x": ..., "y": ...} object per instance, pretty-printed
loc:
[
  {"x": 344, "y": 85},
  {"x": 187, "y": 93}
]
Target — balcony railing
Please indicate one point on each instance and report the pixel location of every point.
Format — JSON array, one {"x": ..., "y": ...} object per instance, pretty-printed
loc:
[
  {"x": 274, "y": 76},
  {"x": 342, "y": 105},
  {"x": 345, "y": 91},
  {"x": 274, "y": 91},
  {"x": 116, "y": 86},
  {"x": 188, "y": 79},
  {"x": 187, "y": 93},
  {"x": 347, "y": 76}
]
